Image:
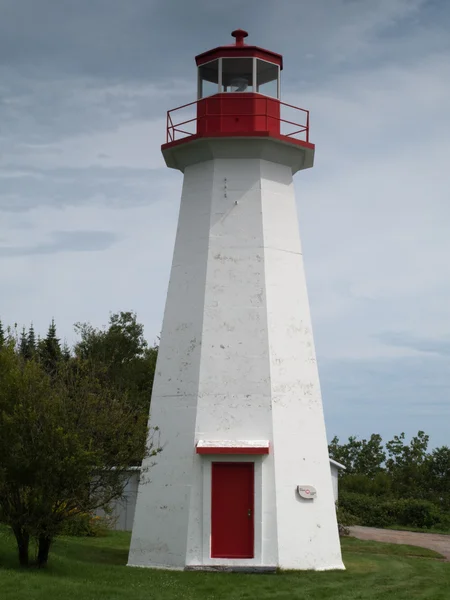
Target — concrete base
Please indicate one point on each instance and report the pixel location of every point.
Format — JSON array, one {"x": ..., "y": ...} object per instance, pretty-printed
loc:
[{"x": 225, "y": 569}]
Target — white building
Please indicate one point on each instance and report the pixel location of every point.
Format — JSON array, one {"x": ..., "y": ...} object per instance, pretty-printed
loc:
[
  {"x": 244, "y": 477},
  {"x": 335, "y": 467}
]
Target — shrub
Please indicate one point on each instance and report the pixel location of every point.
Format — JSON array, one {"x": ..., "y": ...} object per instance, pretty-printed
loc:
[
  {"x": 345, "y": 520},
  {"x": 373, "y": 511},
  {"x": 417, "y": 513},
  {"x": 87, "y": 525},
  {"x": 367, "y": 510}
]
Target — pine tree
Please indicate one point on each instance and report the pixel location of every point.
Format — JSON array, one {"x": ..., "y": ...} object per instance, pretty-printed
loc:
[
  {"x": 2, "y": 335},
  {"x": 50, "y": 350},
  {"x": 66, "y": 354},
  {"x": 23, "y": 344},
  {"x": 27, "y": 343},
  {"x": 31, "y": 342}
]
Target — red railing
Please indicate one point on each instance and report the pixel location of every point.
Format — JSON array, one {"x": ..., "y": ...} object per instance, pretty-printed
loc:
[{"x": 188, "y": 125}]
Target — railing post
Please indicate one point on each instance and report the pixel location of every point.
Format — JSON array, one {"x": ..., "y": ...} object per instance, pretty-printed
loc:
[{"x": 307, "y": 126}]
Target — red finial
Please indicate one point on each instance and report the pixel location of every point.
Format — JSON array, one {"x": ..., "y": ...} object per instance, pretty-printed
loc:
[{"x": 239, "y": 34}]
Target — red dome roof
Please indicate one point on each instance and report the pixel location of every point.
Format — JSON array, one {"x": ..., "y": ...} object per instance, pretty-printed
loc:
[{"x": 239, "y": 50}]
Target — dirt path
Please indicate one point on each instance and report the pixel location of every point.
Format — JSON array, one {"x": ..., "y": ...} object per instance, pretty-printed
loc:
[{"x": 432, "y": 541}]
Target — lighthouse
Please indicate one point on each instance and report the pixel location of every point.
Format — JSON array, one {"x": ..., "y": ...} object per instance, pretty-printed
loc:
[{"x": 243, "y": 480}]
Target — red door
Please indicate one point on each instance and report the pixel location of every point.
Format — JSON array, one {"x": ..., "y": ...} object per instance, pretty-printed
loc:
[{"x": 232, "y": 502}]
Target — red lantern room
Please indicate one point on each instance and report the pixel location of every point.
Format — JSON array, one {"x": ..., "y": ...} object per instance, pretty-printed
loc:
[{"x": 238, "y": 96}]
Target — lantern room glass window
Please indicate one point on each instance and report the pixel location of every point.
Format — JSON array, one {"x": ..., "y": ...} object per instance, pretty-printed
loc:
[
  {"x": 267, "y": 78},
  {"x": 237, "y": 75},
  {"x": 208, "y": 79}
]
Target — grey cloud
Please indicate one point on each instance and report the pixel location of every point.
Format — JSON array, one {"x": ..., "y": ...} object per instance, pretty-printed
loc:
[
  {"x": 439, "y": 346},
  {"x": 39, "y": 108},
  {"x": 153, "y": 40},
  {"x": 67, "y": 73},
  {"x": 64, "y": 241},
  {"x": 136, "y": 39},
  {"x": 23, "y": 189},
  {"x": 387, "y": 396},
  {"x": 108, "y": 62}
]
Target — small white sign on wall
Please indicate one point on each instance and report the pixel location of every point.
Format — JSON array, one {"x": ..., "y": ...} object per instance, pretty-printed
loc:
[{"x": 308, "y": 492}]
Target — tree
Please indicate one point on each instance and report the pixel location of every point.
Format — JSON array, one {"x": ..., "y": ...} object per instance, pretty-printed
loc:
[
  {"x": 406, "y": 464},
  {"x": 2, "y": 335},
  {"x": 31, "y": 347},
  {"x": 437, "y": 475},
  {"x": 23, "y": 343},
  {"x": 364, "y": 457},
  {"x": 65, "y": 352},
  {"x": 121, "y": 353},
  {"x": 50, "y": 350},
  {"x": 27, "y": 343},
  {"x": 67, "y": 440}
]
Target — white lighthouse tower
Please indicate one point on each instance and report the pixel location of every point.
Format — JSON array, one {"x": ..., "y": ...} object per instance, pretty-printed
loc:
[{"x": 244, "y": 479}]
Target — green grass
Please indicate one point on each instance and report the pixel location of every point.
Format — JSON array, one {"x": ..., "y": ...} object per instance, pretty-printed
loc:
[
  {"x": 94, "y": 569},
  {"x": 368, "y": 547},
  {"x": 419, "y": 529}
]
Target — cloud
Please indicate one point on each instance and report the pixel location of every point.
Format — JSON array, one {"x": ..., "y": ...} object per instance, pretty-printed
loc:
[
  {"x": 374, "y": 210},
  {"x": 155, "y": 40},
  {"x": 387, "y": 397},
  {"x": 24, "y": 188},
  {"x": 71, "y": 286},
  {"x": 138, "y": 39},
  {"x": 83, "y": 95},
  {"x": 40, "y": 111},
  {"x": 64, "y": 241},
  {"x": 438, "y": 346}
]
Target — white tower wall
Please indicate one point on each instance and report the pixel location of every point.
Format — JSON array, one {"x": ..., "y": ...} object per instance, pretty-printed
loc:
[{"x": 237, "y": 362}]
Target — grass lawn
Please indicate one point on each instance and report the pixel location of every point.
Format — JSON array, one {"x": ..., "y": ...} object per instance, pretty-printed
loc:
[
  {"x": 419, "y": 529},
  {"x": 94, "y": 569}
]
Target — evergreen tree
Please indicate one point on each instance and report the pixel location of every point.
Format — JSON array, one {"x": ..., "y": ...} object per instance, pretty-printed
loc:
[
  {"x": 2, "y": 335},
  {"x": 31, "y": 350},
  {"x": 50, "y": 350},
  {"x": 39, "y": 347},
  {"x": 23, "y": 344},
  {"x": 66, "y": 354}
]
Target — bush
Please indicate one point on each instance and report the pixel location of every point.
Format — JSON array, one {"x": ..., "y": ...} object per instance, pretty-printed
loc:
[
  {"x": 417, "y": 513},
  {"x": 373, "y": 511},
  {"x": 345, "y": 520},
  {"x": 87, "y": 525},
  {"x": 444, "y": 523},
  {"x": 367, "y": 510}
]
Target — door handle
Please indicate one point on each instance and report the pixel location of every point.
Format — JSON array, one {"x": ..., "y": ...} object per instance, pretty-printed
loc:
[{"x": 249, "y": 513}]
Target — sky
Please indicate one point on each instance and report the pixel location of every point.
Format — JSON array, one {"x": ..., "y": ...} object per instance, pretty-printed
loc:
[{"x": 88, "y": 209}]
